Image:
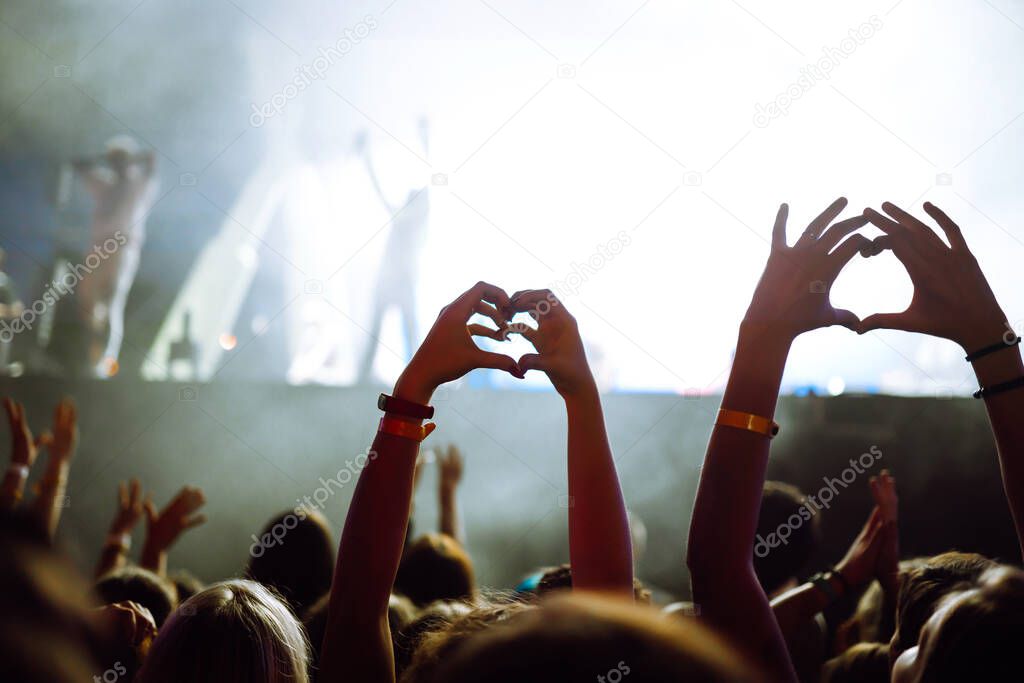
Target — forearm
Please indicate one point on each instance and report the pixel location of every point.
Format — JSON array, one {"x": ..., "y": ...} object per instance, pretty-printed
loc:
[
  {"x": 12, "y": 490},
  {"x": 357, "y": 643},
  {"x": 112, "y": 557},
  {"x": 50, "y": 501},
  {"x": 794, "y": 608},
  {"x": 600, "y": 546},
  {"x": 729, "y": 496},
  {"x": 726, "y": 510},
  {"x": 450, "y": 523},
  {"x": 1005, "y": 413},
  {"x": 154, "y": 558}
]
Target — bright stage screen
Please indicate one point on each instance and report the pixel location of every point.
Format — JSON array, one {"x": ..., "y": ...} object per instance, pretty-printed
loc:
[{"x": 629, "y": 155}]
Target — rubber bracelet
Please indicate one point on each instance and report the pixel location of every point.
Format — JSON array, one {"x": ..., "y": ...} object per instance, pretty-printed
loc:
[
  {"x": 847, "y": 588},
  {"x": 403, "y": 429},
  {"x": 747, "y": 421},
  {"x": 20, "y": 470},
  {"x": 981, "y": 353},
  {"x": 822, "y": 583},
  {"x": 399, "y": 406},
  {"x": 985, "y": 392}
]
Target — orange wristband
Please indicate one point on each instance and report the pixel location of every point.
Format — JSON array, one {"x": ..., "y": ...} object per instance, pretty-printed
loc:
[
  {"x": 747, "y": 421},
  {"x": 404, "y": 429}
]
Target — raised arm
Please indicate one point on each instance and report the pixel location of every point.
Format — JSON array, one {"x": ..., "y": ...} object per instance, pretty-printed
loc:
[
  {"x": 165, "y": 527},
  {"x": 600, "y": 549},
  {"x": 792, "y": 297},
  {"x": 24, "y": 450},
  {"x": 953, "y": 300},
  {"x": 118, "y": 542},
  {"x": 873, "y": 554},
  {"x": 357, "y": 641},
  {"x": 449, "y": 475},
  {"x": 51, "y": 499}
]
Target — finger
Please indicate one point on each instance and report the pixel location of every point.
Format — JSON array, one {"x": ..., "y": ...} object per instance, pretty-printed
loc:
[
  {"x": 888, "y": 321},
  {"x": 897, "y": 238},
  {"x": 533, "y": 298},
  {"x": 498, "y": 361},
  {"x": 837, "y": 232},
  {"x": 878, "y": 245},
  {"x": 917, "y": 229},
  {"x": 122, "y": 494},
  {"x": 11, "y": 412},
  {"x": 779, "y": 229},
  {"x": 484, "y": 308},
  {"x": 884, "y": 223},
  {"x": 44, "y": 440},
  {"x": 487, "y": 292},
  {"x": 845, "y": 318},
  {"x": 952, "y": 230},
  {"x": 150, "y": 508},
  {"x": 525, "y": 331},
  {"x": 136, "y": 492},
  {"x": 484, "y": 331},
  {"x": 822, "y": 221},
  {"x": 194, "y": 522},
  {"x": 842, "y": 254},
  {"x": 533, "y": 361}
]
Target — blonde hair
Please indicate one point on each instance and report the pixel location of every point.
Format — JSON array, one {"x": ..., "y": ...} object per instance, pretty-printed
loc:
[{"x": 232, "y": 631}]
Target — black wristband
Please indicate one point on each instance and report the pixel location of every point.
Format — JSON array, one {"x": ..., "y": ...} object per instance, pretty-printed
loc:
[
  {"x": 981, "y": 353},
  {"x": 399, "y": 406},
  {"x": 985, "y": 392},
  {"x": 847, "y": 588}
]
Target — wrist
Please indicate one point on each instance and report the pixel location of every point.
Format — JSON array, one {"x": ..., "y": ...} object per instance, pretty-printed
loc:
[
  {"x": 412, "y": 386},
  {"x": 982, "y": 333}
]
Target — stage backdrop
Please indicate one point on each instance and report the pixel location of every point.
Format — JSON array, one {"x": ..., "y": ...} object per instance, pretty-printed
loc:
[{"x": 257, "y": 448}]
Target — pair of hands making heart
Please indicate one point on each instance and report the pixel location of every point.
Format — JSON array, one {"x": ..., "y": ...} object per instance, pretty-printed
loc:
[
  {"x": 952, "y": 298},
  {"x": 449, "y": 352}
]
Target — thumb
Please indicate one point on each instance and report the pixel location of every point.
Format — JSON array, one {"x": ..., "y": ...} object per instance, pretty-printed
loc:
[
  {"x": 886, "y": 321},
  {"x": 533, "y": 361},
  {"x": 847, "y": 319},
  {"x": 150, "y": 511},
  {"x": 498, "y": 361}
]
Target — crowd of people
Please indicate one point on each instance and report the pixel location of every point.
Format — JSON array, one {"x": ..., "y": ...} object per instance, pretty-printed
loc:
[{"x": 388, "y": 605}]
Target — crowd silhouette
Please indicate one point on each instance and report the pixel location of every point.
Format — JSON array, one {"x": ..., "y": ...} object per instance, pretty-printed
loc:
[{"x": 390, "y": 604}]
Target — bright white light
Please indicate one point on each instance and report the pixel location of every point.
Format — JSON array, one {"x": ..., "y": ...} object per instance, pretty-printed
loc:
[{"x": 836, "y": 386}]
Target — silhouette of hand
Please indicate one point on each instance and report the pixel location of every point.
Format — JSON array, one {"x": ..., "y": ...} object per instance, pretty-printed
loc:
[
  {"x": 557, "y": 339},
  {"x": 952, "y": 299},
  {"x": 449, "y": 352},
  {"x": 24, "y": 449},
  {"x": 792, "y": 296}
]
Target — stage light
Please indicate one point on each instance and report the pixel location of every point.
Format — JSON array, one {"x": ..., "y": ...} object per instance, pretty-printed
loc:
[
  {"x": 836, "y": 385},
  {"x": 227, "y": 341}
]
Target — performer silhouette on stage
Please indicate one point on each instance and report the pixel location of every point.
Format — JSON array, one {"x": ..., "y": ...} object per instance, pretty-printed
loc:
[
  {"x": 399, "y": 268},
  {"x": 123, "y": 185}
]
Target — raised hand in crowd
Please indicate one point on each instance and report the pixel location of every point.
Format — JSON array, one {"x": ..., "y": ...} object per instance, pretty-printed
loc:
[
  {"x": 357, "y": 641},
  {"x": 953, "y": 300},
  {"x": 791, "y": 297},
  {"x": 449, "y": 463},
  {"x": 52, "y": 498},
  {"x": 130, "y": 508},
  {"x": 24, "y": 450},
  {"x": 600, "y": 550},
  {"x": 165, "y": 527}
]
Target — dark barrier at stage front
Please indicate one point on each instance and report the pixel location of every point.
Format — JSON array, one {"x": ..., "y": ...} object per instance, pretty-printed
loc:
[{"x": 257, "y": 449}]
